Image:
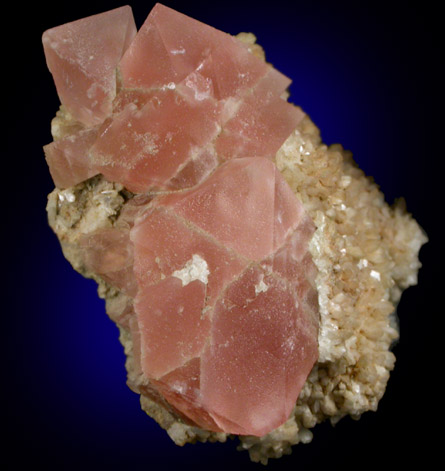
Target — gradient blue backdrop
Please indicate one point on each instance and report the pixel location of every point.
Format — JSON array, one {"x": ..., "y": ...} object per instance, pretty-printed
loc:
[{"x": 366, "y": 73}]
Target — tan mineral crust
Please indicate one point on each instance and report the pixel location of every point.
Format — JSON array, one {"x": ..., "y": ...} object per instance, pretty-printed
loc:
[{"x": 366, "y": 253}]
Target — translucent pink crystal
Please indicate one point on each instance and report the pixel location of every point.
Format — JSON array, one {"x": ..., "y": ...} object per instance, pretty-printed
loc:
[
  {"x": 68, "y": 159},
  {"x": 108, "y": 253},
  {"x": 190, "y": 97},
  {"x": 251, "y": 379},
  {"x": 208, "y": 290},
  {"x": 143, "y": 148},
  {"x": 209, "y": 256},
  {"x": 83, "y": 56},
  {"x": 178, "y": 46}
]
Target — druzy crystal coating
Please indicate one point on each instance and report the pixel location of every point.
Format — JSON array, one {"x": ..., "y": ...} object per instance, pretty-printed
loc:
[{"x": 211, "y": 248}]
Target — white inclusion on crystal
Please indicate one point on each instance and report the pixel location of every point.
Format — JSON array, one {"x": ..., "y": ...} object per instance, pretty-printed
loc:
[
  {"x": 92, "y": 91},
  {"x": 148, "y": 143},
  {"x": 362, "y": 263},
  {"x": 179, "y": 387},
  {"x": 289, "y": 344},
  {"x": 261, "y": 287},
  {"x": 200, "y": 94},
  {"x": 375, "y": 275},
  {"x": 205, "y": 311},
  {"x": 181, "y": 50},
  {"x": 170, "y": 86},
  {"x": 194, "y": 269}
]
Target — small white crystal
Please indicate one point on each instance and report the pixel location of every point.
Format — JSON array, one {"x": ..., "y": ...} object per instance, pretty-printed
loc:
[
  {"x": 194, "y": 269},
  {"x": 362, "y": 263},
  {"x": 261, "y": 287}
]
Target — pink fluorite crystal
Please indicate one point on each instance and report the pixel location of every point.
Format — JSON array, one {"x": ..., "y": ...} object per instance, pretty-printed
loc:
[
  {"x": 83, "y": 56},
  {"x": 146, "y": 148},
  {"x": 211, "y": 293},
  {"x": 211, "y": 253},
  {"x": 191, "y": 97}
]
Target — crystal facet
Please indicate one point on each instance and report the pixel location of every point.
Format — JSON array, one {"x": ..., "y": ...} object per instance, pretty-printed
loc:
[
  {"x": 83, "y": 56},
  {"x": 190, "y": 99},
  {"x": 209, "y": 293},
  {"x": 209, "y": 255}
]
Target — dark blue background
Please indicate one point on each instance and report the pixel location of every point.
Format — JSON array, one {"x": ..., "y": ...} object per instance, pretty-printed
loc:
[{"x": 368, "y": 75}]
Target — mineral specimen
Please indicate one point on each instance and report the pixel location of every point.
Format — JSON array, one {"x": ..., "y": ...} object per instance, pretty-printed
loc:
[
  {"x": 226, "y": 313},
  {"x": 183, "y": 105},
  {"x": 252, "y": 288}
]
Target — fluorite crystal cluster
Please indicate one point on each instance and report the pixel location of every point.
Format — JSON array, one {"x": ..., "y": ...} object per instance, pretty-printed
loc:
[
  {"x": 163, "y": 108},
  {"x": 252, "y": 271},
  {"x": 212, "y": 250}
]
